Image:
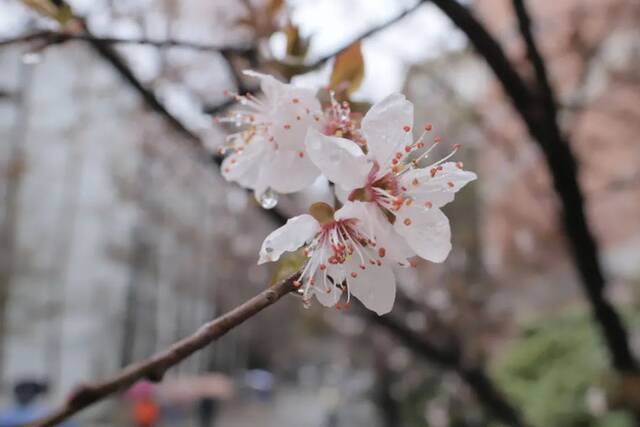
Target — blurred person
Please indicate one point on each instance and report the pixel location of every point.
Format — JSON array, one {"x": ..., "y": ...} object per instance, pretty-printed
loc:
[
  {"x": 145, "y": 412},
  {"x": 261, "y": 382},
  {"x": 207, "y": 411},
  {"x": 26, "y": 408}
]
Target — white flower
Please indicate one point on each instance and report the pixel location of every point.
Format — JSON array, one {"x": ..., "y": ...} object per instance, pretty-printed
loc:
[
  {"x": 270, "y": 152},
  {"x": 387, "y": 177},
  {"x": 349, "y": 252}
]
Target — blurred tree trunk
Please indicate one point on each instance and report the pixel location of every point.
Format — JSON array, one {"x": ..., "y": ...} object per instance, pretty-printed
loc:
[
  {"x": 387, "y": 405},
  {"x": 14, "y": 171},
  {"x": 536, "y": 104}
]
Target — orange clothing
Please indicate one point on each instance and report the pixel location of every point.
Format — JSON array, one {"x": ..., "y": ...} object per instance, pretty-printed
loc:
[{"x": 145, "y": 413}]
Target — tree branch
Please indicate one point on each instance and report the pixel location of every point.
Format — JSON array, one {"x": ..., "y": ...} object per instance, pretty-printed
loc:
[
  {"x": 370, "y": 32},
  {"x": 154, "y": 367},
  {"x": 59, "y": 37},
  {"x": 534, "y": 56},
  {"x": 488, "y": 47},
  {"x": 475, "y": 377},
  {"x": 538, "y": 111},
  {"x": 564, "y": 170},
  {"x": 219, "y": 108}
]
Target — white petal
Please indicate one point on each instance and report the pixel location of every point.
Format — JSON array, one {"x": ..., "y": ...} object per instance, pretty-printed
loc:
[
  {"x": 426, "y": 231},
  {"x": 378, "y": 228},
  {"x": 339, "y": 159},
  {"x": 439, "y": 189},
  {"x": 364, "y": 213},
  {"x": 341, "y": 194},
  {"x": 288, "y": 172},
  {"x": 289, "y": 111},
  {"x": 289, "y": 237},
  {"x": 290, "y": 122},
  {"x": 375, "y": 286},
  {"x": 270, "y": 86},
  {"x": 395, "y": 247},
  {"x": 244, "y": 167},
  {"x": 355, "y": 210},
  {"x": 327, "y": 296},
  {"x": 384, "y": 128}
]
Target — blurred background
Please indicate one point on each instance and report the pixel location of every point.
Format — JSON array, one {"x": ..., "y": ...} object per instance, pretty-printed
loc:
[{"x": 118, "y": 236}]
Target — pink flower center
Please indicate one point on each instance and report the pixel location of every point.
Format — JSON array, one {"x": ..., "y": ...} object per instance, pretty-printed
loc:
[{"x": 385, "y": 191}]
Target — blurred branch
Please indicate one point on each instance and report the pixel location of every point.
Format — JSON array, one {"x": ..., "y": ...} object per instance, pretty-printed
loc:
[
  {"x": 111, "y": 56},
  {"x": 538, "y": 110},
  {"x": 535, "y": 58},
  {"x": 53, "y": 37},
  {"x": 475, "y": 377},
  {"x": 219, "y": 108},
  {"x": 370, "y": 32},
  {"x": 152, "y": 101},
  {"x": 155, "y": 367},
  {"x": 489, "y": 48},
  {"x": 60, "y": 37},
  {"x": 25, "y": 38}
]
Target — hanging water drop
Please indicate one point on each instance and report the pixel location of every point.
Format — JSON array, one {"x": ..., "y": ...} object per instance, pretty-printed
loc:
[
  {"x": 31, "y": 58},
  {"x": 268, "y": 199}
]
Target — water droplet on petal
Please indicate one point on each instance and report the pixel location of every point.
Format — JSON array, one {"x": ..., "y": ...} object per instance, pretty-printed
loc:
[
  {"x": 31, "y": 58},
  {"x": 268, "y": 199}
]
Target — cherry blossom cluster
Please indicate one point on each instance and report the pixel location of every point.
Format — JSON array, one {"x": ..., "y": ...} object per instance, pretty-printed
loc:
[{"x": 390, "y": 201}]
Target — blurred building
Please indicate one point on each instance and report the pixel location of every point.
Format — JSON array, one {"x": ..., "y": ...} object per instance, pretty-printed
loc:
[{"x": 116, "y": 235}]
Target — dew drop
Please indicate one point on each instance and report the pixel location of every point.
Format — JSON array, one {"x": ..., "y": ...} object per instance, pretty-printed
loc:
[
  {"x": 268, "y": 199},
  {"x": 31, "y": 58}
]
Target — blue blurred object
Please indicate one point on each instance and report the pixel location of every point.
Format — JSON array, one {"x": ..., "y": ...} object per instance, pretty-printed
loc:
[{"x": 25, "y": 409}]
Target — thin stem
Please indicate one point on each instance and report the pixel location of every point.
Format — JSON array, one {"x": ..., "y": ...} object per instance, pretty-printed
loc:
[
  {"x": 476, "y": 378},
  {"x": 223, "y": 106},
  {"x": 59, "y": 37},
  {"x": 155, "y": 367},
  {"x": 370, "y": 32}
]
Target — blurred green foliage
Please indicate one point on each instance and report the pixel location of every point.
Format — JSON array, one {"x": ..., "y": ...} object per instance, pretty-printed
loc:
[{"x": 549, "y": 370}]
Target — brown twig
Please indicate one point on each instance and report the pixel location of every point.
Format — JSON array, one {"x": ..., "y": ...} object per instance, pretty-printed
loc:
[
  {"x": 476, "y": 378},
  {"x": 370, "y": 32},
  {"x": 219, "y": 108},
  {"x": 60, "y": 37},
  {"x": 154, "y": 367}
]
